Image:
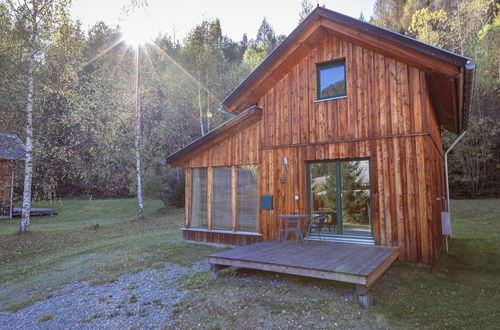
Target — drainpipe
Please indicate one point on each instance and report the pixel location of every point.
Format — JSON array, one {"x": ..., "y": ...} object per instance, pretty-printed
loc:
[
  {"x": 453, "y": 144},
  {"x": 465, "y": 89},
  {"x": 446, "y": 216}
]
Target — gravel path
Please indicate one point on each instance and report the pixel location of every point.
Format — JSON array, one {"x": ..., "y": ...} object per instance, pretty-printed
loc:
[{"x": 142, "y": 300}]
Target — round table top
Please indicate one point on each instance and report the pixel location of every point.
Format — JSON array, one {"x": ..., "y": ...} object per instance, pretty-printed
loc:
[{"x": 292, "y": 215}]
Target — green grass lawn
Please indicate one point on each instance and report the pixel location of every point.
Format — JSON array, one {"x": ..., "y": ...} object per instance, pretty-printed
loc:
[
  {"x": 75, "y": 212},
  {"x": 70, "y": 247},
  {"x": 462, "y": 291}
]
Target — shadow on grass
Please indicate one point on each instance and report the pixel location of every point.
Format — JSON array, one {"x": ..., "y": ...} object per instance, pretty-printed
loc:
[
  {"x": 461, "y": 290},
  {"x": 89, "y": 249}
]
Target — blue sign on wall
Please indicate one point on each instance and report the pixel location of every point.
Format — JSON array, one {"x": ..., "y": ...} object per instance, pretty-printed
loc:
[{"x": 266, "y": 202}]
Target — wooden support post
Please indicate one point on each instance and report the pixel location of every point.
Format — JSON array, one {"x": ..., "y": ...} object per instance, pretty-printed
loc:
[
  {"x": 214, "y": 268},
  {"x": 362, "y": 295},
  {"x": 187, "y": 206},
  {"x": 234, "y": 196},
  {"x": 209, "y": 196}
]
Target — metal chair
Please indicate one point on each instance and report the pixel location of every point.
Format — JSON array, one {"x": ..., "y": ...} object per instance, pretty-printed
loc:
[
  {"x": 292, "y": 225},
  {"x": 316, "y": 224},
  {"x": 330, "y": 220}
]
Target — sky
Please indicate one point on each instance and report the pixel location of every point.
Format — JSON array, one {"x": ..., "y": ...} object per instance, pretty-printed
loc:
[{"x": 180, "y": 16}]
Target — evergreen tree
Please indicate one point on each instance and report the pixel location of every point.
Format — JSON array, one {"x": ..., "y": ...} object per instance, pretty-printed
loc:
[
  {"x": 306, "y": 7},
  {"x": 266, "y": 38}
]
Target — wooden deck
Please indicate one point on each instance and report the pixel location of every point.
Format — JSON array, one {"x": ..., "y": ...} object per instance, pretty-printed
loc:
[{"x": 353, "y": 263}]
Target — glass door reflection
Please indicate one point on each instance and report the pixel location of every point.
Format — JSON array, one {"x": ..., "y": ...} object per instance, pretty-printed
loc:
[{"x": 341, "y": 191}]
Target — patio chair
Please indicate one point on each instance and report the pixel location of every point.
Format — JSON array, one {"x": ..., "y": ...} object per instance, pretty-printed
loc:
[
  {"x": 292, "y": 226},
  {"x": 315, "y": 224},
  {"x": 331, "y": 221}
]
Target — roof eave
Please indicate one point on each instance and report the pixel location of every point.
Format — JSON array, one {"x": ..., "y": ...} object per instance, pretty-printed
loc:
[
  {"x": 13, "y": 158},
  {"x": 248, "y": 116},
  {"x": 269, "y": 59},
  {"x": 468, "y": 93},
  {"x": 397, "y": 38}
]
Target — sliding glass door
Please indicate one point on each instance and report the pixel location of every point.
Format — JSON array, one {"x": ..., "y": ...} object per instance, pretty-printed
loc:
[{"x": 340, "y": 190}]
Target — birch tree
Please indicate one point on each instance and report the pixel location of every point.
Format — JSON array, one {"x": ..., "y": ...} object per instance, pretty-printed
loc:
[
  {"x": 138, "y": 171},
  {"x": 131, "y": 9},
  {"x": 35, "y": 19}
]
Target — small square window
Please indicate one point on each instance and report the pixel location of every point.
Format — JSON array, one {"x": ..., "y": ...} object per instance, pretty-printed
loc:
[{"x": 331, "y": 79}]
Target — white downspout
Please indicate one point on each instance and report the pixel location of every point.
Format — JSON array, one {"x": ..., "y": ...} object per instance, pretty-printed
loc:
[
  {"x": 446, "y": 216},
  {"x": 453, "y": 144}
]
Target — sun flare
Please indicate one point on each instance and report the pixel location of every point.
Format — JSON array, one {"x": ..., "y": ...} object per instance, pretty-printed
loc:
[{"x": 137, "y": 29}]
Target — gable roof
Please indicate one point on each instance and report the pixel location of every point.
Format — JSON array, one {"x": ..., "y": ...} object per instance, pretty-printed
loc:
[
  {"x": 450, "y": 75},
  {"x": 11, "y": 147},
  {"x": 226, "y": 129}
]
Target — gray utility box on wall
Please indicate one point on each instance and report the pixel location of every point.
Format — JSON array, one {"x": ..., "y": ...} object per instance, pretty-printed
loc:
[{"x": 266, "y": 202}]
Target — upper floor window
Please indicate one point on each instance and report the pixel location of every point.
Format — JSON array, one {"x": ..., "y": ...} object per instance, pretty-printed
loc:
[{"x": 331, "y": 79}]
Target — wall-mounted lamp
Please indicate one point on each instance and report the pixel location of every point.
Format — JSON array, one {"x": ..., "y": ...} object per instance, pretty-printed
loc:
[{"x": 285, "y": 161}]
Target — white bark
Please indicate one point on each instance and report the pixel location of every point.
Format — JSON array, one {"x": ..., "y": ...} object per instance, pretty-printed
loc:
[
  {"x": 208, "y": 111},
  {"x": 28, "y": 163},
  {"x": 202, "y": 128},
  {"x": 138, "y": 171}
]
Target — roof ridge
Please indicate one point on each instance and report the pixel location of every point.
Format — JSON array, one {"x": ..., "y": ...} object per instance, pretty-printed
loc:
[
  {"x": 400, "y": 40},
  {"x": 329, "y": 11}
]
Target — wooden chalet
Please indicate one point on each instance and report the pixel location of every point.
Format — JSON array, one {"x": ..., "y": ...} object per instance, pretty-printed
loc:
[
  {"x": 11, "y": 151},
  {"x": 344, "y": 119}
]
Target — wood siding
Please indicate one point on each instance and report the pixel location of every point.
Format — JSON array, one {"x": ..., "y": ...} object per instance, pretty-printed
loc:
[
  {"x": 6, "y": 177},
  {"x": 219, "y": 237},
  {"x": 237, "y": 149},
  {"x": 387, "y": 116},
  {"x": 406, "y": 177},
  {"x": 383, "y": 99}
]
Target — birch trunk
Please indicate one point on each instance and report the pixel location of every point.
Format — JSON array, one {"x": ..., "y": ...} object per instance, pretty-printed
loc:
[
  {"x": 202, "y": 128},
  {"x": 208, "y": 111},
  {"x": 28, "y": 163},
  {"x": 138, "y": 171}
]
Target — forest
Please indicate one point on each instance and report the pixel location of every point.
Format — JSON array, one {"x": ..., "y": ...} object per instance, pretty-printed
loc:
[{"x": 84, "y": 101}]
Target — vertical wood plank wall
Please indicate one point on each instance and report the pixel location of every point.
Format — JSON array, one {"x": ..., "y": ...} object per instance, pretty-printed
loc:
[
  {"x": 241, "y": 148},
  {"x": 6, "y": 178},
  {"x": 406, "y": 211},
  {"x": 387, "y": 116}
]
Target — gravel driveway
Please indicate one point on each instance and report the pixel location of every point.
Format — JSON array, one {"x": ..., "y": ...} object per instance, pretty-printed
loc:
[{"x": 142, "y": 300}]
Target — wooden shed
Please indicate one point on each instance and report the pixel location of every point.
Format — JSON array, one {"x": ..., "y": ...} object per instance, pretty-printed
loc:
[
  {"x": 11, "y": 150},
  {"x": 343, "y": 118}
]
